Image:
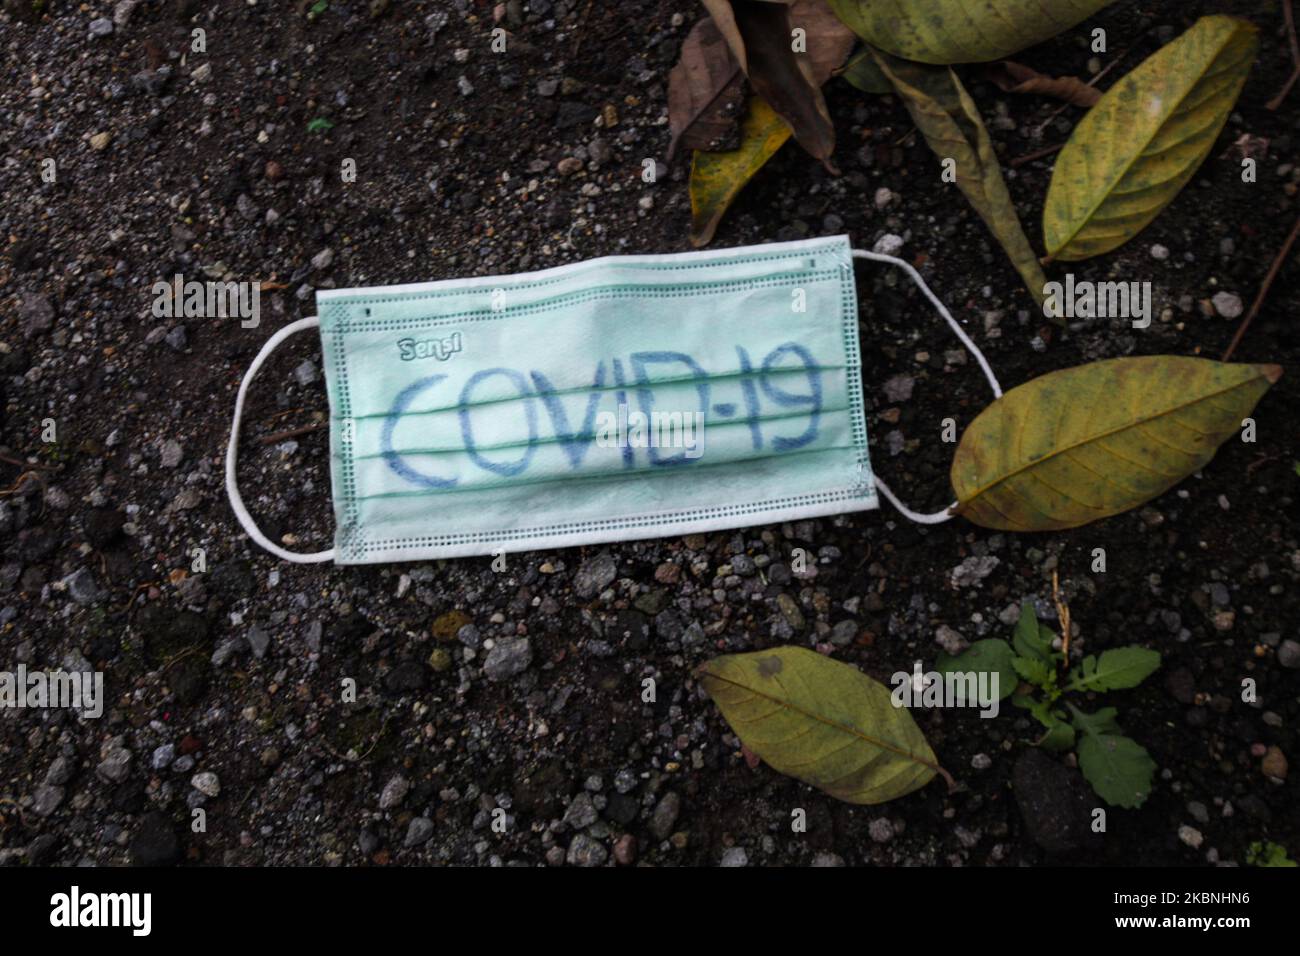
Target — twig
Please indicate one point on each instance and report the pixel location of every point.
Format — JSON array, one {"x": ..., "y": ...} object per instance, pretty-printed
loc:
[
  {"x": 25, "y": 464},
  {"x": 582, "y": 29},
  {"x": 292, "y": 433},
  {"x": 1276, "y": 101},
  {"x": 1063, "y": 613},
  {"x": 1036, "y": 154},
  {"x": 1093, "y": 82},
  {"x": 22, "y": 480},
  {"x": 1263, "y": 290}
]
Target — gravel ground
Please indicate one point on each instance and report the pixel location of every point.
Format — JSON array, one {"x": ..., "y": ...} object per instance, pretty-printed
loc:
[{"x": 480, "y": 691}]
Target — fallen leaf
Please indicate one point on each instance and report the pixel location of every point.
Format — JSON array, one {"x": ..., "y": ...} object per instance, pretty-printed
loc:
[
  {"x": 862, "y": 72},
  {"x": 822, "y": 722},
  {"x": 706, "y": 92},
  {"x": 759, "y": 34},
  {"x": 948, "y": 119},
  {"x": 717, "y": 178},
  {"x": 1084, "y": 443},
  {"x": 1012, "y": 77},
  {"x": 961, "y": 31},
  {"x": 1134, "y": 151}
]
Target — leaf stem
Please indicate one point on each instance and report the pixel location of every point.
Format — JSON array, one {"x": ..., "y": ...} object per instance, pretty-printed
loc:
[{"x": 1263, "y": 291}]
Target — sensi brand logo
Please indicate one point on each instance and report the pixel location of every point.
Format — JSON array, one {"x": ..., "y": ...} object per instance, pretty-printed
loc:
[{"x": 441, "y": 349}]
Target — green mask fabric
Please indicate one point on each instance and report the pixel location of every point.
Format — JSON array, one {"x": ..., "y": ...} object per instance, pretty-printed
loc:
[{"x": 618, "y": 398}]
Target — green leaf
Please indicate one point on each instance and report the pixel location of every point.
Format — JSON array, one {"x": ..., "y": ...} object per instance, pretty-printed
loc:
[
  {"x": 861, "y": 71},
  {"x": 951, "y": 124},
  {"x": 1058, "y": 738},
  {"x": 1118, "y": 768},
  {"x": 960, "y": 31},
  {"x": 1037, "y": 672},
  {"x": 991, "y": 656},
  {"x": 1084, "y": 443},
  {"x": 822, "y": 722},
  {"x": 1268, "y": 853},
  {"x": 319, "y": 7},
  {"x": 1117, "y": 669},
  {"x": 1137, "y": 148},
  {"x": 718, "y": 178},
  {"x": 1102, "y": 722},
  {"x": 319, "y": 125},
  {"x": 1029, "y": 638}
]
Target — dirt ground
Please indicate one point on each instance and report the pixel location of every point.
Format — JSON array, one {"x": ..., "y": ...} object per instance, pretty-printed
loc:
[{"x": 213, "y": 168}]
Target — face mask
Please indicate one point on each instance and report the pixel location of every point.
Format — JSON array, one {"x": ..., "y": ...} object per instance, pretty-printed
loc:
[{"x": 619, "y": 398}]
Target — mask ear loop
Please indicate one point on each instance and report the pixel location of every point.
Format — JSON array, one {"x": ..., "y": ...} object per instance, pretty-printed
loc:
[
  {"x": 939, "y": 516},
  {"x": 232, "y": 452}
]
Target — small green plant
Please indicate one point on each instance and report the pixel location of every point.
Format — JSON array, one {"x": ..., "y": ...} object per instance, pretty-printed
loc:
[
  {"x": 1268, "y": 853},
  {"x": 319, "y": 125},
  {"x": 319, "y": 7},
  {"x": 1119, "y": 768}
]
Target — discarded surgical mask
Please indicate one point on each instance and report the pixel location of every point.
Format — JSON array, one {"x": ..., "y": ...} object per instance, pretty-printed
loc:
[{"x": 619, "y": 398}]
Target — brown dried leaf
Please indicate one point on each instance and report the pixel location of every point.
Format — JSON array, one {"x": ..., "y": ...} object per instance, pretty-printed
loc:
[
  {"x": 705, "y": 93},
  {"x": 759, "y": 35},
  {"x": 1012, "y": 77}
]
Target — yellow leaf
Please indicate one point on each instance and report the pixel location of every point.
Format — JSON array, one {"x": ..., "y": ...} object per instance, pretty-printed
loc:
[
  {"x": 948, "y": 119},
  {"x": 1132, "y": 152},
  {"x": 822, "y": 722},
  {"x": 1085, "y": 443},
  {"x": 717, "y": 178},
  {"x": 960, "y": 31}
]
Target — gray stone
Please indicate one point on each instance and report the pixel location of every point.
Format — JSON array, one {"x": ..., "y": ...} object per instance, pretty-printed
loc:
[
  {"x": 507, "y": 659},
  {"x": 115, "y": 764},
  {"x": 665, "y": 814},
  {"x": 46, "y": 799},
  {"x": 1228, "y": 304},
  {"x": 581, "y": 812},
  {"x": 950, "y": 640},
  {"x": 37, "y": 314},
  {"x": 898, "y": 388},
  {"x": 584, "y": 851},
  {"x": 101, "y": 27},
  {"x": 305, "y": 374},
  {"x": 594, "y": 575},
  {"x": 880, "y": 830},
  {"x": 1288, "y": 654},
  {"x": 60, "y": 772},
  {"x": 83, "y": 588},
  {"x": 419, "y": 832},
  {"x": 259, "y": 641},
  {"x": 171, "y": 453},
  {"x": 735, "y": 856},
  {"x": 206, "y": 783},
  {"x": 394, "y": 793}
]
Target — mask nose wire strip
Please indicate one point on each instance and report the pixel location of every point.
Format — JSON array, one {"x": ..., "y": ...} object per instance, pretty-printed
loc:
[
  {"x": 232, "y": 452},
  {"x": 939, "y": 516}
]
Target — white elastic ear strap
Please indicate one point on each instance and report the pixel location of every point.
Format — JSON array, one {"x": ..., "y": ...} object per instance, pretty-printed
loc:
[
  {"x": 939, "y": 516},
  {"x": 232, "y": 452}
]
